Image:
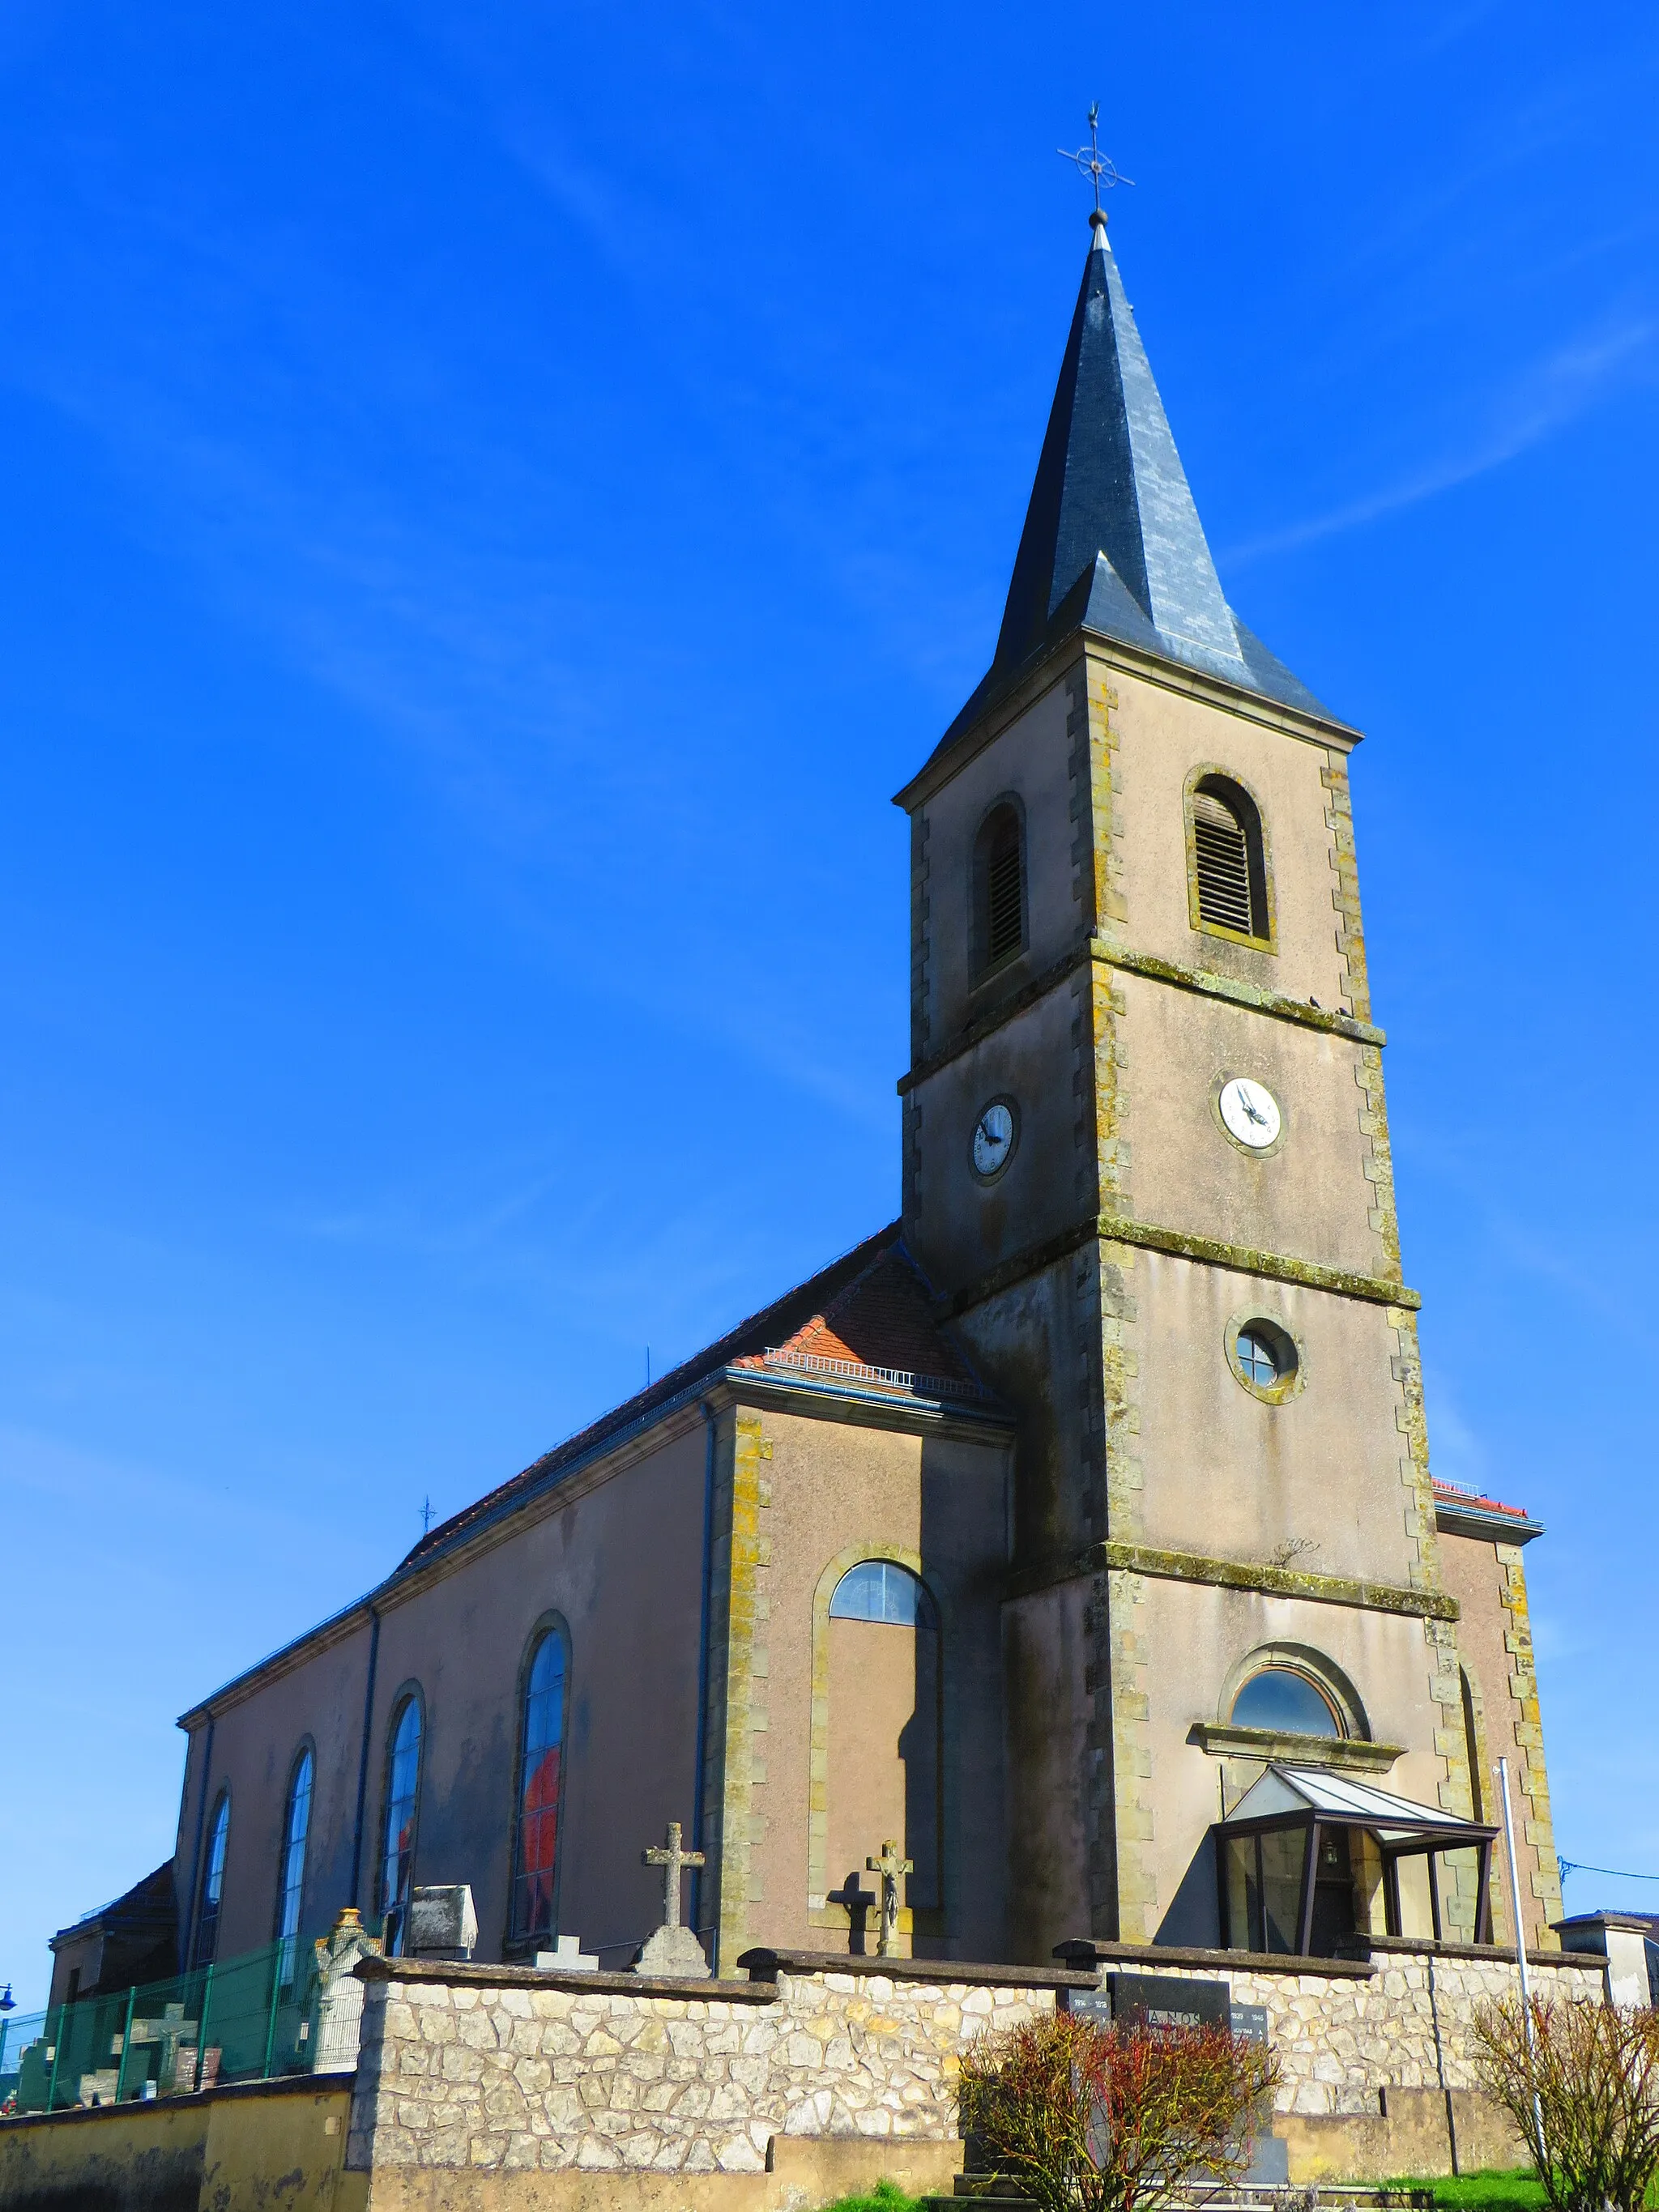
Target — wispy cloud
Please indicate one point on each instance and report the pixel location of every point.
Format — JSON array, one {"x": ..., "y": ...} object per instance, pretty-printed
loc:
[{"x": 1565, "y": 384}]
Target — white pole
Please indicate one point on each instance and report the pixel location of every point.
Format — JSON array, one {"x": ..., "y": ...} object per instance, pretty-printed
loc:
[
  {"x": 1521, "y": 1948},
  {"x": 1515, "y": 1895}
]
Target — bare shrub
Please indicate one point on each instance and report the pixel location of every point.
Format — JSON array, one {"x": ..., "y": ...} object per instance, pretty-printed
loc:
[
  {"x": 1090, "y": 2118},
  {"x": 1583, "y": 2090}
]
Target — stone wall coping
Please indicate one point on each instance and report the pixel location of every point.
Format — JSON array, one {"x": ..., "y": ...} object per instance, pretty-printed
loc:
[
  {"x": 1492, "y": 1955},
  {"x": 1293, "y": 1966},
  {"x": 765, "y": 1965},
  {"x": 462, "y": 1974},
  {"x": 221, "y": 2092},
  {"x": 1637, "y": 1923}
]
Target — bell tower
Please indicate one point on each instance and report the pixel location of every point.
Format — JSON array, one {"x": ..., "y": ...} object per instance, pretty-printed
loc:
[{"x": 1147, "y": 1166}]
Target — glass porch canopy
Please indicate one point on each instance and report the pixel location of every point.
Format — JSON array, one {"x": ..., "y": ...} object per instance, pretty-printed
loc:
[{"x": 1286, "y": 1862}]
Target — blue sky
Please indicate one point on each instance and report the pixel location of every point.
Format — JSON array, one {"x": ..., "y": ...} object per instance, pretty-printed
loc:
[{"x": 495, "y": 500}]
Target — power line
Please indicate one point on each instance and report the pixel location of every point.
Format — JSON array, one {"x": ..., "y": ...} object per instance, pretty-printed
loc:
[{"x": 1613, "y": 1874}]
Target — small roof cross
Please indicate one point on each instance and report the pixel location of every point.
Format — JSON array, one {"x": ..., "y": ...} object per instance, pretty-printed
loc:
[
  {"x": 673, "y": 1860},
  {"x": 1099, "y": 168}
]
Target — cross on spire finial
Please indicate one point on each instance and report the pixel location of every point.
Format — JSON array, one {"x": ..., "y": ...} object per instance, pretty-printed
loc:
[
  {"x": 1099, "y": 168},
  {"x": 673, "y": 1860}
]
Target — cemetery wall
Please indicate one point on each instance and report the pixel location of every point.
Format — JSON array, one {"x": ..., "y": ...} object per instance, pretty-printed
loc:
[
  {"x": 503, "y": 2073},
  {"x": 252, "y": 2144}
]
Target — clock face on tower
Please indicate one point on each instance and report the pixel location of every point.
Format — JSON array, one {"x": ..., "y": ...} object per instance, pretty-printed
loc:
[
  {"x": 995, "y": 1133},
  {"x": 1250, "y": 1113}
]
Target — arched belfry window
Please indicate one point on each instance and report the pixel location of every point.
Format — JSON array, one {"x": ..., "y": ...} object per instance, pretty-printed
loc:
[
  {"x": 213, "y": 1882},
  {"x": 1229, "y": 861},
  {"x": 291, "y": 1872},
  {"x": 541, "y": 1787},
  {"x": 998, "y": 887},
  {"x": 403, "y": 1790}
]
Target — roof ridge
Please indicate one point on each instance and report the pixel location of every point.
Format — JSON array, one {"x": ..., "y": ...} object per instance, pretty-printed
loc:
[{"x": 718, "y": 1353}]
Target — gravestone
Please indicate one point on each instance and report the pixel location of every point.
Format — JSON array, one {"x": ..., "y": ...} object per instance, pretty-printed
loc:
[
  {"x": 441, "y": 1923},
  {"x": 1168, "y": 2001},
  {"x": 672, "y": 1949},
  {"x": 567, "y": 1957}
]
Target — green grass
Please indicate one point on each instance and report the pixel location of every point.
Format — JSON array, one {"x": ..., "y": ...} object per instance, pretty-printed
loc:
[
  {"x": 884, "y": 2197},
  {"x": 1520, "y": 2191}
]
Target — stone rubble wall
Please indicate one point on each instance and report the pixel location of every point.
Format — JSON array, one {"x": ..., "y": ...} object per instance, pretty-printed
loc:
[
  {"x": 458, "y": 2076},
  {"x": 1405, "y": 2027},
  {"x": 495, "y": 2073}
]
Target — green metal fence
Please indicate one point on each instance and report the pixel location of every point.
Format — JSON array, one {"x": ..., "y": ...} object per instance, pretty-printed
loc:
[{"x": 240, "y": 2020}]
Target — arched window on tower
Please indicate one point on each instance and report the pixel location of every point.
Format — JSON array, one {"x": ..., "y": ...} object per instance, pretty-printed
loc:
[
  {"x": 291, "y": 1872},
  {"x": 999, "y": 888},
  {"x": 886, "y": 1706},
  {"x": 213, "y": 1882},
  {"x": 1228, "y": 857},
  {"x": 403, "y": 1790},
  {"x": 541, "y": 1758}
]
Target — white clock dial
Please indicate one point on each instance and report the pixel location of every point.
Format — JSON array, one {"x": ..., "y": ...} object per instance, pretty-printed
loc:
[
  {"x": 1249, "y": 1112},
  {"x": 993, "y": 1138}
]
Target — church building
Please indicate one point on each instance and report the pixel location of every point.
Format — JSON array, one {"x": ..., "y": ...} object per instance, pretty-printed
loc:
[{"x": 1075, "y": 1534}]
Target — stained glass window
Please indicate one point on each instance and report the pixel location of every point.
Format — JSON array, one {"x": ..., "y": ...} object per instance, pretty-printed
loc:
[
  {"x": 539, "y": 1779},
  {"x": 881, "y": 1590},
  {"x": 291, "y": 1886},
  {"x": 213, "y": 1882},
  {"x": 402, "y": 1791}
]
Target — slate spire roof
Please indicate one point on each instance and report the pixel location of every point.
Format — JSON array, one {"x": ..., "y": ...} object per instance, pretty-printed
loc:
[{"x": 1112, "y": 540}]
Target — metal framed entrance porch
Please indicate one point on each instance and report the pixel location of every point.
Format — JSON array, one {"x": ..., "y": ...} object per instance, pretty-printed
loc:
[{"x": 1310, "y": 1801}]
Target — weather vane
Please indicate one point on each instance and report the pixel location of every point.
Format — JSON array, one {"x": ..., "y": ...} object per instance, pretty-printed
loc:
[{"x": 1092, "y": 163}]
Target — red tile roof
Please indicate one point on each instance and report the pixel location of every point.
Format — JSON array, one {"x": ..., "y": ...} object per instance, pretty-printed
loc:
[
  {"x": 870, "y": 1311},
  {"x": 1457, "y": 1493},
  {"x": 880, "y": 1329}
]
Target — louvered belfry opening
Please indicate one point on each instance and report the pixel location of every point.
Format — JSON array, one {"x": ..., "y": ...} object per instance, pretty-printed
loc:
[
  {"x": 1227, "y": 841},
  {"x": 1000, "y": 886}
]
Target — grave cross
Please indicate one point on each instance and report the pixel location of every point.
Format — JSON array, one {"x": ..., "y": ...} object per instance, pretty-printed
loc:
[
  {"x": 673, "y": 1860},
  {"x": 855, "y": 1902},
  {"x": 890, "y": 1866}
]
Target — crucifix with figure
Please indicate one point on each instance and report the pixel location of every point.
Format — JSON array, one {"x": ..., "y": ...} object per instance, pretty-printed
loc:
[{"x": 892, "y": 1867}]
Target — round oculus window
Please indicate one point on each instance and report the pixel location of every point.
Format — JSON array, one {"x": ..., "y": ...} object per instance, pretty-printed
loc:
[{"x": 1264, "y": 1357}]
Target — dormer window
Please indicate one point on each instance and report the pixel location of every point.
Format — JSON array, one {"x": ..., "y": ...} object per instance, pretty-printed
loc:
[
  {"x": 1227, "y": 859},
  {"x": 998, "y": 887}
]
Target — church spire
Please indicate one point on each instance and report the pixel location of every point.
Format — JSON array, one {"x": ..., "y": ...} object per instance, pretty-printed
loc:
[{"x": 1112, "y": 540}]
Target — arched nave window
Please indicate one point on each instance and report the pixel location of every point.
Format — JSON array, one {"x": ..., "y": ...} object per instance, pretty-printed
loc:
[
  {"x": 403, "y": 1790},
  {"x": 885, "y": 1680},
  {"x": 213, "y": 1882},
  {"x": 540, "y": 1788},
  {"x": 291, "y": 1878}
]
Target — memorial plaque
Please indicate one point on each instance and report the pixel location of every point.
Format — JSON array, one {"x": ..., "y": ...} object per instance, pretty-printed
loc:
[
  {"x": 1167, "y": 2001},
  {"x": 1250, "y": 2023}
]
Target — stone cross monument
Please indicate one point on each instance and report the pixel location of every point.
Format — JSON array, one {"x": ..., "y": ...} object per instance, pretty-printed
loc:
[
  {"x": 890, "y": 1866},
  {"x": 672, "y": 1949}
]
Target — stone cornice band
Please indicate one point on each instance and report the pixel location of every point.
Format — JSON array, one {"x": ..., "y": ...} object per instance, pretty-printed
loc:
[
  {"x": 1262, "y": 1578},
  {"x": 1118, "y": 1229},
  {"x": 1202, "y": 981}
]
